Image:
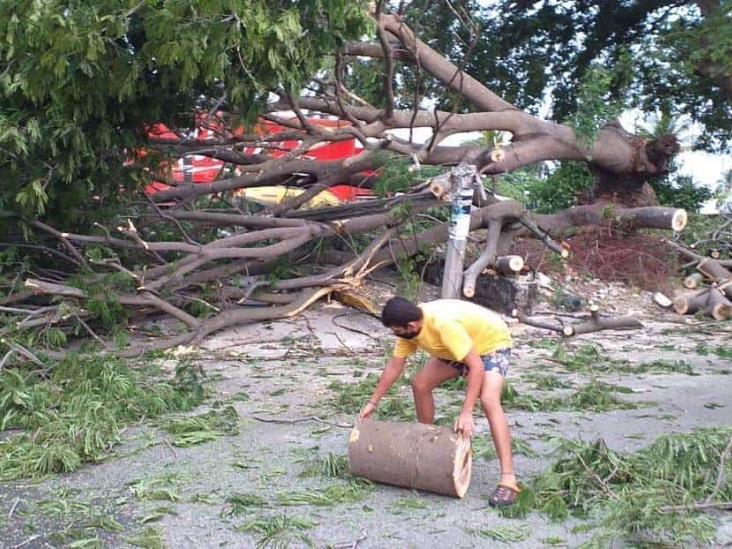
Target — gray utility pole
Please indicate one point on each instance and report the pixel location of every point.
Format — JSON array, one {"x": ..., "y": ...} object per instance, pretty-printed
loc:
[{"x": 462, "y": 186}]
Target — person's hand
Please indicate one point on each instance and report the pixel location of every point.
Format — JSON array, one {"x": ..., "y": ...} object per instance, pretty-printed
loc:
[
  {"x": 366, "y": 411},
  {"x": 465, "y": 424}
]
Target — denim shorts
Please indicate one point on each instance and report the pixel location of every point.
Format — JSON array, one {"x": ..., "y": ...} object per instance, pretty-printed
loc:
[{"x": 497, "y": 361}]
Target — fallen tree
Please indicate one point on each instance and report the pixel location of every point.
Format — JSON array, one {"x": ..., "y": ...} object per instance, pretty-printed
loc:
[{"x": 213, "y": 267}]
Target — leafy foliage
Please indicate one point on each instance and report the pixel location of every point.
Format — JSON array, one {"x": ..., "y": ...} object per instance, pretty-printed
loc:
[
  {"x": 279, "y": 531},
  {"x": 647, "y": 495},
  {"x": 595, "y": 107},
  {"x": 662, "y": 55},
  {"x": 82, "y": 83},
  {"x": 203, "y": 428},
  {"x": 679, "y": 191},
  {"x": 399, "y": 175},
  {"x": 349, "y": 398},
  {"x": 76, "y": 415},
  {"x": 594, "y": 396}
]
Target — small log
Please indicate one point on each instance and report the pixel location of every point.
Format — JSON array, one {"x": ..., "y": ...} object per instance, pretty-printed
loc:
[
  {"x": 713, "y": 269},
  {"x": 655, "y": 217},
  {"x": 718, "y": 306},
  {"x": 596, "y": 322},
  {"x": 509, "y": 264},
  {"x": 690, "y": 302},
  {"x": 440, "y": 187},
  {"x": 412, "y": 455},
  {"x": 693, "y": 281}
]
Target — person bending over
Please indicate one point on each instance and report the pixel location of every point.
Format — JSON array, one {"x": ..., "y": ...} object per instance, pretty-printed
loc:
[{"x": 462, "y": 338}]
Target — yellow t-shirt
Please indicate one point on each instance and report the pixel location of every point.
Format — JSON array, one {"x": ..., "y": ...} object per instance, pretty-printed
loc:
[{"x": 451, "y": 327}]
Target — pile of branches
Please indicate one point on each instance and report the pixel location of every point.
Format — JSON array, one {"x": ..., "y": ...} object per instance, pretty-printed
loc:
[
  {"x": 640, "y": 260},
  {"x": 709, "y": 284},
  {"x": 658, "y": 495},
  {"x": 126, "y": 275},
  {"x": 211, "y": 268}
]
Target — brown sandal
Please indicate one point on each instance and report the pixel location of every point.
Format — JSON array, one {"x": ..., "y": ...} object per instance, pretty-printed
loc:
[{"x": 503, "y": 496}]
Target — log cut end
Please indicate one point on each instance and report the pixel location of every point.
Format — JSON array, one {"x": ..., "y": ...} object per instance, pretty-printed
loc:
[
  {"x": 679, "y": 220},
  {"x": 463, "y": 466},
  {"x": 720, "y": 311},
  {"x": 681, "y": 305},
  {"x": 510, "y": 264}
]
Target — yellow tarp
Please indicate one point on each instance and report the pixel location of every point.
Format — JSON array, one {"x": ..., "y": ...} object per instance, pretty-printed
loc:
[{"x": 277, "y": 194}]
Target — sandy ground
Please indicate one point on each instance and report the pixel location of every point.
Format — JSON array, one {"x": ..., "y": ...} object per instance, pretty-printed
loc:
[{"x": 285, "y": 368}]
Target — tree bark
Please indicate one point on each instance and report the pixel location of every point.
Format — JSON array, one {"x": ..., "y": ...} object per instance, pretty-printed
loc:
[
  {"x": 595, "y": 323},
  {"x": 717, "y": 306},
  {"x": 689, "y": 303},
  {"x": 713, "y": 269},
  {"x": 411, "y": 455}
]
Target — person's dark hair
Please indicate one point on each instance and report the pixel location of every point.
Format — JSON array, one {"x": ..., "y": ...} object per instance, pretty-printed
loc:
[{"x": 400, "y": 312}]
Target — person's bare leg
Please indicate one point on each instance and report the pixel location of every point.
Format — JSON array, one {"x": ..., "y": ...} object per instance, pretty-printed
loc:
[
  {"x": 490, "y": 401},
  {"x": 434, "y": 373}
]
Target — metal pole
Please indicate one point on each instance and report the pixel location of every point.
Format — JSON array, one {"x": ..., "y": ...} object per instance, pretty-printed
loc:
[{"x": 462, "y": 178}]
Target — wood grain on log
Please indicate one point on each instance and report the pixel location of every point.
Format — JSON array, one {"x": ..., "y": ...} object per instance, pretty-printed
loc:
[
  {"x": 718, "y": 307},
  {"x": 509, "y": 264},
  {"x": 595, "y": 323},
  {"x": 690, "y": 302},
  {"x": 714, "y": 270},
  {"x": 412, "y": 455}
]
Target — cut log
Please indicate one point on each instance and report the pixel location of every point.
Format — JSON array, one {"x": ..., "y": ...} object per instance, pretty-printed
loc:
[
  {"x": 595, "y": 323},
  {"x": 690, "y": 302},
  {"x": 693, "y": 281},
  {"x": 505, "y": 293},
  {"x": 718, "y": 306},
  {"x": 411, "y": 455},
  {"x": 440, "y": 187},
  {"x": 714, "y": 270},
  {"x": 509, "y": 264}
]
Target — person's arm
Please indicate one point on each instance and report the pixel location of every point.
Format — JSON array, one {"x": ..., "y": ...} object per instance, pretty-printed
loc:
[
  {"x": 390, "y": 374},
  {"x": 465, "y": 423},
  {"x": 458, "y": 341}
]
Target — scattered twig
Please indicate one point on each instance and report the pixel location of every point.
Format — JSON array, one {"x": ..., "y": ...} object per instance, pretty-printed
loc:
[
  {"x": 721, "y": 505},
  {"x": 303, "y": 420},
  {"x": 27, "y": 542},
  {"x": 6, "y": 357},
  {"x": 12, "y": 509},
  {"x": 596, "y": 477},
  {"x": 356, "y": 330},
  {"x": 350, "y": 544},
  {"x": 23, "y": 351},
  {"x": 91, "y": 332},
  {"x": 175, "y": 454},
  {"x": 721, "y": 472}
]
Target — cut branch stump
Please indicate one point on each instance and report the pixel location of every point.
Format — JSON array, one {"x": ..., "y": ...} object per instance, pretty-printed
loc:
[
  {"x": 411, "y": 455},
  {"x": 693, "y": 281}
]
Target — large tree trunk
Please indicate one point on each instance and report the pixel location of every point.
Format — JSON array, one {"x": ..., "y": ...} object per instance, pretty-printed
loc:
[{"x": 412, "y": 455}]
